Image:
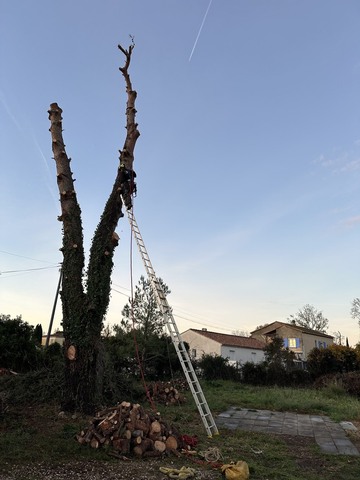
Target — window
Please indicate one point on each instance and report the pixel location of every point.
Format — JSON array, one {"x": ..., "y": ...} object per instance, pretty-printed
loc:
[
  {"x": 193, "y": 352},
  {"x": 292, "y": 342},
  {"x": 232, "y": 354}
]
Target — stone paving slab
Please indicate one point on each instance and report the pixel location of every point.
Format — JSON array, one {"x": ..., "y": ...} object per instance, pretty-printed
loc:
[{"x": 329, "y": 435}]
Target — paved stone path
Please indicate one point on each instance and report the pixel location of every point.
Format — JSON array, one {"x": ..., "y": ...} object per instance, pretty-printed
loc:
[{"x": 329, "y": 435}]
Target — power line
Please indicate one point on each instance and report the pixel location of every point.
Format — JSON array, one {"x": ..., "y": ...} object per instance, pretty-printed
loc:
[
  {"x": 204, "y": 324},
  {"x": 182, "y": 317},
  {"x": 28, "y": 258},
  {"x": 29, "y": 269},
  {"x": 120, "y": 286},
  {"x": 121, "y": 293}
]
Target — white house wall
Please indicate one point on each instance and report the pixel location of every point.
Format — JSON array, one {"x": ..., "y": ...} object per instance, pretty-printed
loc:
[
  {"x": 200, "y": 344},
  {"x": 206, "y": 346},
  {"x": 242, "y": 355}
]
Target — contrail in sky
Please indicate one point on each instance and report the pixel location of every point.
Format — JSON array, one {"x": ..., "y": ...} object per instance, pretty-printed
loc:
[
  {"x": 201, "y": 27},
  {"x": 4, "y": 103},
  {"x": 8, "y": 111},
  {"x": 24, "y": 133},
  {"x": 48, "y": 173}
]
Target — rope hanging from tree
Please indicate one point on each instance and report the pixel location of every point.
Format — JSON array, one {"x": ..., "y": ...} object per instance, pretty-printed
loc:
[{"x": 147, "y": 392}]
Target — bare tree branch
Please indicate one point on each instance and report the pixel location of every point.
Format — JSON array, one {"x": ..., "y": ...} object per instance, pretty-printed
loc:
[
  {"x": 72, "y": 248},
  {"x": 132, "y": 132},
  {"x": 105, "y": 239}
]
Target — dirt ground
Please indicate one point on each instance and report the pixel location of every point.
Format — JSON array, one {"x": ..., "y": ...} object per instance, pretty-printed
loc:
[
  {"x": 124, "y": 470},
  {"x": 150, "y": 469}
]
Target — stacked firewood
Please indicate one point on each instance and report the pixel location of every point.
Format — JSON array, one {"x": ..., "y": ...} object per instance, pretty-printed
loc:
[
  {"x": 129, "y": 429},
  {"x": 166, "y": 393}
]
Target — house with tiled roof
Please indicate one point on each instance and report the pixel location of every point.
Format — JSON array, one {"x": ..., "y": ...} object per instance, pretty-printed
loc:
[
  {"x": 234, "y": 347},
  {"x": 298, "y": 339},
  {"x": 56, "y": 337}
]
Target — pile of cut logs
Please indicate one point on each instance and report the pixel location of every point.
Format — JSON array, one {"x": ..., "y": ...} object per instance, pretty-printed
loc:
[
  {"x": 166, "y": 393},
  {"x": 130, "y": 430}
]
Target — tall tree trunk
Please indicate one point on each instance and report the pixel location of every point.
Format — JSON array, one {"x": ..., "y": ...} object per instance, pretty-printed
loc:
[{"x": 84, "y": 309}]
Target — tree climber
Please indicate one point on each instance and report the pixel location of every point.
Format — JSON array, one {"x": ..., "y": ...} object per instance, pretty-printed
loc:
[{"x": 127, "y": 185}]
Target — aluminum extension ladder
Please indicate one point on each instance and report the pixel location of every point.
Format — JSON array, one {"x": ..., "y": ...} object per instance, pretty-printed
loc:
[{"x": 195, "y": 387}]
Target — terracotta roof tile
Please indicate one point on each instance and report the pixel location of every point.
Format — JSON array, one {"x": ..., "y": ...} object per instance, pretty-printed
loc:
[{"x": 231, "y": 340}]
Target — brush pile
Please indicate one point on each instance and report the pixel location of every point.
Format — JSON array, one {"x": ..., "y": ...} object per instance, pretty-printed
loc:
[{"x": 128, "y": 429}]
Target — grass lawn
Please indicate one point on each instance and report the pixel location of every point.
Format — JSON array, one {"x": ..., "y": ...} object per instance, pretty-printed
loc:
[
  {"x": 38, "y": 433},
  {"x": 278, "y": 456},
  {"x": 332, "y": 401}
]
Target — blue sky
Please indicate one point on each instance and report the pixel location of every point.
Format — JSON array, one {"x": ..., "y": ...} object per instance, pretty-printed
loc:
[{"x": 248, "y": 161}]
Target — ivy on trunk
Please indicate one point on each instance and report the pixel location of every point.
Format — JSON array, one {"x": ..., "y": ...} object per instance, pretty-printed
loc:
[{"x": 85, "y": 298}]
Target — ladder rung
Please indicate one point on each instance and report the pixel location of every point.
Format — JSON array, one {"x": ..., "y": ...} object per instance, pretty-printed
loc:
[{"x": 169, "y": 320}]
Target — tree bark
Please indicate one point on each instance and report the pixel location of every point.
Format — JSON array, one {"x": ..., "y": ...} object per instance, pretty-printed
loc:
[
  {"x": 127, "y": 153},
  {"x": 84, "y": 309}
]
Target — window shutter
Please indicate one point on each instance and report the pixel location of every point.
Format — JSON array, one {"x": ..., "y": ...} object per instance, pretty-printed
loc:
[
  {"x": 297, "y": 342},
  {"x": 286, "y": 342}
]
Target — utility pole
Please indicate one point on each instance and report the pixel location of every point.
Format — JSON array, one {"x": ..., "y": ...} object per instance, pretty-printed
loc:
[{"x": 54, "y": 309}]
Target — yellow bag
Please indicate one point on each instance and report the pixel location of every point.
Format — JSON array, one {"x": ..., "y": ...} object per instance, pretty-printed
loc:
[{"x": 236, "y": 471}]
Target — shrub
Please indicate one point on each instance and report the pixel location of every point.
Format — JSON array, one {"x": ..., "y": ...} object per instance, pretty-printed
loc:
[
  {"x": 333, "y": 359},
  {"x": 36, "y": 387},
  {"x": 254, "y": 373},
  {"x": 18, "y": 350},
  {"x": 215, "y": 367},
  {"x": 276, "y": 375},
  {"x": 157, "y": 354},
  {"x": 299, "y": 378},
  {"x": 349, "y": 382},
  {"x": 346, "y": 358},
  {"x": 265, "y": 373},
  {"x": 321, "y": 361},
  {"x": 53, "y": 355}
]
